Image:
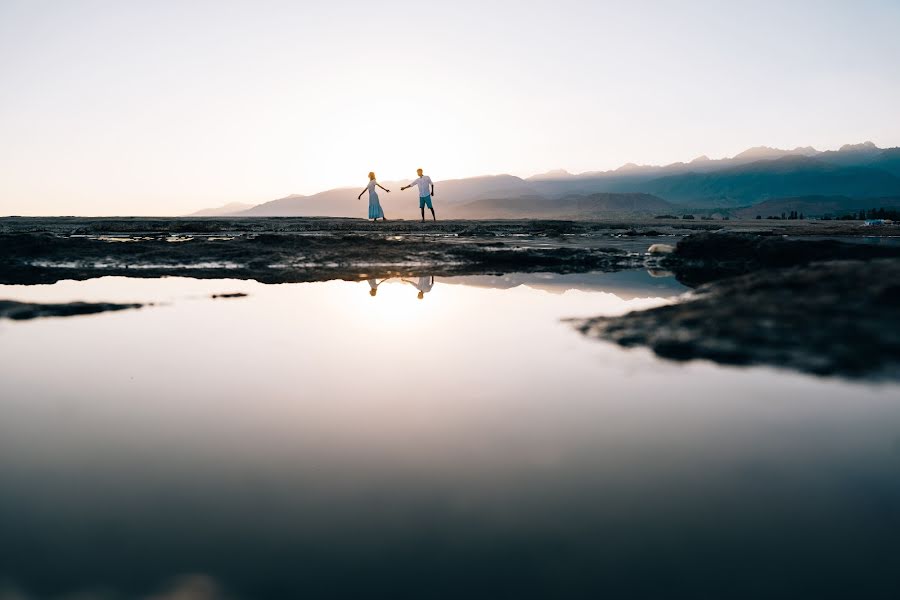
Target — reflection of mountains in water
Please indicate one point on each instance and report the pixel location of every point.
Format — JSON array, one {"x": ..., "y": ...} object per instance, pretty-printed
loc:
[{"x": 624, "y": 284}]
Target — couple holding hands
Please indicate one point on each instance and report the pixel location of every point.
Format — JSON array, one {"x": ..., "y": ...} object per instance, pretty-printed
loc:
[{"x": 426, "y": 191}]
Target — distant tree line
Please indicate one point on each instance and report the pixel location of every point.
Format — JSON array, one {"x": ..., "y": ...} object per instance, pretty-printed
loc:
[
  {"x": 892, "y": 214},
  {"x": 792, "y": 216}
]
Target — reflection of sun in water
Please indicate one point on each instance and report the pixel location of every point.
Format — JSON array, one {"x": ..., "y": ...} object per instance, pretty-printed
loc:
[{"x": 394, "y": 305}]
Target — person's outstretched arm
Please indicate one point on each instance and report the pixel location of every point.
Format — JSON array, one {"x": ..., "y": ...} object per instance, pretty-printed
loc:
[
  {"x": 362, "y": 192},
  {"x": 384, "y": 188}
]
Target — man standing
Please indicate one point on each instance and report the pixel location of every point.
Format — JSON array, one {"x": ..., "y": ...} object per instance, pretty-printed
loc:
[{"x": 426, "y": 191}]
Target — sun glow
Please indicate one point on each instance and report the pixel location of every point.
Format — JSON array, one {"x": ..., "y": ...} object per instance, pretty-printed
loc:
[
  {"x": 163, "y": 108},
  {"x": 395, "y": 304},
  {"x": 392, "y": 135}
]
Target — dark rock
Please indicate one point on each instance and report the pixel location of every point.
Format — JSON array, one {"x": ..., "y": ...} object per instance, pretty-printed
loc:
[
  {"x": 705, "y": 257},
  {"x": 831, "y": 318},
  {"x": 21, "y": 311},
  {"x": 28, "y": 258}
]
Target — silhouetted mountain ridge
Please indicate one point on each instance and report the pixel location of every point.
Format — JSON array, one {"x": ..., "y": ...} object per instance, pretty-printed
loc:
[
  {"x": 756, "y": 175},
  {"x": 569, "y": 207},
  {"x": 222, "y": 211},
  {"x": 794, "y": 175}
]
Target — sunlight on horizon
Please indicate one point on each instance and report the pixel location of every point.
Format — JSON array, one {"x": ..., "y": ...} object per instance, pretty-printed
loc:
[{"x": 167, "y": 108}]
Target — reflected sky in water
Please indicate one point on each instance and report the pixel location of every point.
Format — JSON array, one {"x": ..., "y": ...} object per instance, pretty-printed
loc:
[{"x": 314, "y": 439}]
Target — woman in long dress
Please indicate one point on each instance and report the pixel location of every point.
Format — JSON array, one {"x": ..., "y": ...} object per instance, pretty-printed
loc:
[
  {"x": 375, "y": 211},
  {"x": 373, "y": 285}
]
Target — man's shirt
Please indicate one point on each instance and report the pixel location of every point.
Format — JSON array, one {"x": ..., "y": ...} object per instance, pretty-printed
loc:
[{"x": 424, "y": 183}]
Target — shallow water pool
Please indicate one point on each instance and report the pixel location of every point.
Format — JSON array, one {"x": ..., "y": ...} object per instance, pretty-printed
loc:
[{"x": 319, "y": 440}]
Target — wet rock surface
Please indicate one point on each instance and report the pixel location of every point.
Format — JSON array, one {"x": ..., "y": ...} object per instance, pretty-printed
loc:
[
  {"x": 298, "y": 250},
  {"x": 274, "y": 258},
  {"x": 635, "y": 227},
  {"x": 810, "y": 296},
  {"x": 705, "y": 257},
  {"x": 827, "y": 318},
  {"x": 329, "y": 225},
  {"x": 273, "y": 250},
  {"x": 22, "y": 311}
]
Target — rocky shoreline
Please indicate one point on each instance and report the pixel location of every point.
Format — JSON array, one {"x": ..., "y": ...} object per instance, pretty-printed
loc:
[
  {"x": 274, "y": 250},
  {"x": 824, "y": 307},
  {"x": 819, "y": 297},
  {"x": 23, "y": 311},
  {"x": 30, "y": 258}
]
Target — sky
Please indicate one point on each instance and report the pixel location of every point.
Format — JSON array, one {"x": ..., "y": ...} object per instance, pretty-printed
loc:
[{"x": 128, "y": 107}]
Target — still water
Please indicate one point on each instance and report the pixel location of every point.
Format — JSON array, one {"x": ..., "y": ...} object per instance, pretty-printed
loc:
[{"x": 318, "y": 440}]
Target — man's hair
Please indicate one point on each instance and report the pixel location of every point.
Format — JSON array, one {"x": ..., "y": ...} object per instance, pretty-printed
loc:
[{"x": 420, "y": 169}]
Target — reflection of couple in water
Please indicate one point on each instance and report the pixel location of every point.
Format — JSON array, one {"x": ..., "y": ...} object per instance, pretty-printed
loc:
[
  {"x": 426, "y": 191},
  {"x": 424, "y": 285}
]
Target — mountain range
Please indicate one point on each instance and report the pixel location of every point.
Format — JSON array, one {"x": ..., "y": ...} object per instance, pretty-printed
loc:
[{"x": 823, "y": 182}]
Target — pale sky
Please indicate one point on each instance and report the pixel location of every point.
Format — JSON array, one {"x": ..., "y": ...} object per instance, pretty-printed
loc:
[{"x": 163, "y": 107}]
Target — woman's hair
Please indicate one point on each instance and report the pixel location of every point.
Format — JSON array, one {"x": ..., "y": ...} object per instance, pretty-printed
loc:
[
  {"x": 372, "y": 175},
  {"x": 373, "y": 291}
]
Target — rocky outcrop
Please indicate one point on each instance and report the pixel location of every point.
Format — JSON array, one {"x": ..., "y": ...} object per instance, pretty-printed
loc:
[
  {"x": 827, "y": 318},
  {"x": 705, "y": 257},
  {"x": 22, "y": 311}
]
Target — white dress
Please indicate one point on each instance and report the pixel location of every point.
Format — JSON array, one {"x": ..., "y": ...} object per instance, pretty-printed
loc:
[
  {"x": 424, "y": 284},
  {"x": 375, "y": 211}
]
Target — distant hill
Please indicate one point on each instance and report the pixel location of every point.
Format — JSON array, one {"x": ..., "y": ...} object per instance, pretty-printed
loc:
[
  {"x": 766, "y": 153},
  {"x": 757, "y": 175},
  {"x": 223, "y": 211},
  {"x": 337, "y": 203},
  {"x": 554, "y": 174},
  {"x": 570, "y": 207},
  {"x": 815, "y": 206},
  {"x": 864, "y": 155},
  {"x": 763, "y": 180},
  {"x": 342, "y": 202},
  {"x": 753, "y": 176}
]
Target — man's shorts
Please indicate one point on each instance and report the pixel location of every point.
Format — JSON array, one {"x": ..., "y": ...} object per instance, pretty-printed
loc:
[{"x": 425, "y": 201}]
